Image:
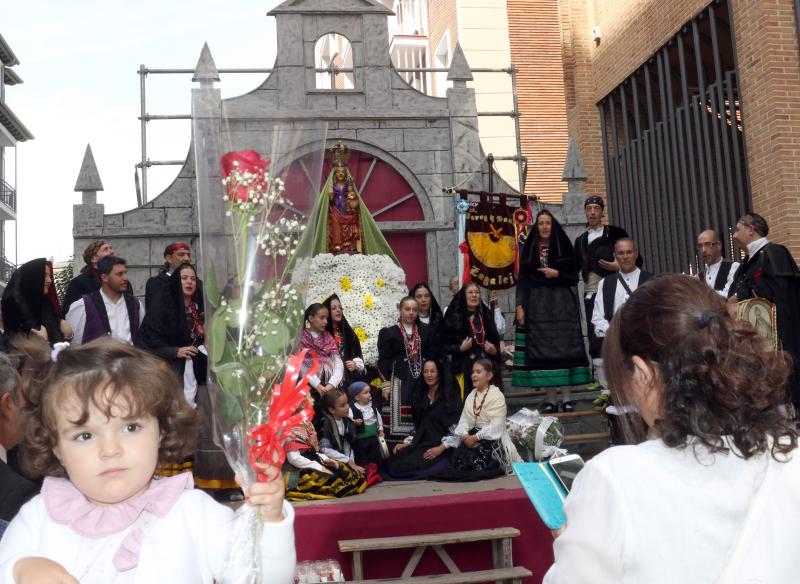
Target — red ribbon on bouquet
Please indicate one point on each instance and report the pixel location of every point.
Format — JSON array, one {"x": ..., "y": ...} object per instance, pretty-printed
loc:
[{"x": 265, "y": 441}]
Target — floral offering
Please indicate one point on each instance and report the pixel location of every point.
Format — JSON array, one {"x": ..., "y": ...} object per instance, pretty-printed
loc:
[{"x": 369, "y": 286}]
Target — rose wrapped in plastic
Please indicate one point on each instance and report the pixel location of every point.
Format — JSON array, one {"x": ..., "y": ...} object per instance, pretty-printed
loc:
[{"x": 251, "y": 225}]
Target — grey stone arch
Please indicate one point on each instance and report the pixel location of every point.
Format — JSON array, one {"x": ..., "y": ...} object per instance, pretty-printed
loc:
[{"x": 434, "y": 218}]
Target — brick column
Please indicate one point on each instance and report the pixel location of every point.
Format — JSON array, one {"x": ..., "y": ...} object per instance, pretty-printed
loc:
[{"x": 769, "y": 71}]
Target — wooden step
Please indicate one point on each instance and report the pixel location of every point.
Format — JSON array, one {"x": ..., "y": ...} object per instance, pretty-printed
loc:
[
  {"x": 408, "y": 541},
  {"x": 592, "y": 437},
  {"x": 515, "y": 574},
  {"x": 581, "y": 414}
]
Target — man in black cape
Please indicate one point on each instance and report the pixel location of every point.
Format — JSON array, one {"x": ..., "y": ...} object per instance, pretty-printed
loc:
[
  {"x": 594, "y": 254},
  {"x": 770, "y": 272}
]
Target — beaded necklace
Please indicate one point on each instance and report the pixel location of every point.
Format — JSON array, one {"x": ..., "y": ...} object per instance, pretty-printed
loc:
[
  {"x": 339, "y": 338},
  {"x": 478, "y": 333},
  {"x": 476, "y": 411},
  {"x": 413, "y": 348}
]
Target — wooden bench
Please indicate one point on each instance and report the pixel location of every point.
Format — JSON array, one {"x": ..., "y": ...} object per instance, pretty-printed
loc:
[{"x": 500, "y": 538}]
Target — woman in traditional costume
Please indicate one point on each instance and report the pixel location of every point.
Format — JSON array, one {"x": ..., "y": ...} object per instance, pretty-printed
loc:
[
  {"x": 483, "y": 448},
  {"x": 402, "y": 348},
  {"x": 548, "y": 308},
  {"x": 30, "y": 304},
  {"x": 310, "y": 475},
  {"x": 428, "y": 310},
  {"x": 469, "y": 333},
  {"x": 346, "y": 342},
  {"x": 321, "y": 346},
  {"x": 174, "y": 329},
  {"x": 435, "y": 410}
]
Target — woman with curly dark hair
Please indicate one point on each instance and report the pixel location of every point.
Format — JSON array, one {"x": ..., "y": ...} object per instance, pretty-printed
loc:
[{"x": 714, "y": 495}]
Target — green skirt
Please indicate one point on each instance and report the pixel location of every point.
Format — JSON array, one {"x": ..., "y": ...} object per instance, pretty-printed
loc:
[{"x": 523, "y": 376}]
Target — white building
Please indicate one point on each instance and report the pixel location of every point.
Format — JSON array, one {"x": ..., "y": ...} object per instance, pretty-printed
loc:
[{"x": 12, "y": 130}]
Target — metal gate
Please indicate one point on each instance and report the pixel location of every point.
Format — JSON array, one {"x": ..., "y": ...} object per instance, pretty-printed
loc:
[{"x": 674, "y": 145}]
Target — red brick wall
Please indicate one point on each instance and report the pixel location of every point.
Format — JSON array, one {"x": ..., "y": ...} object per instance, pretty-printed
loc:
[
  {"x": 769, "y": 69},
  {"x": 536, "y": 52}
]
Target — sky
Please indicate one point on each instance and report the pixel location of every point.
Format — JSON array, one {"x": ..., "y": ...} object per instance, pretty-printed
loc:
[{"x": 79, "y": 63}]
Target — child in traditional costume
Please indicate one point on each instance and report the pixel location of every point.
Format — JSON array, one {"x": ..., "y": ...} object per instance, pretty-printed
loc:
[
  {"x": 337, "y": 429},
  {"x": 368, "y": 444},
  {"x": 311, "y": 475}
]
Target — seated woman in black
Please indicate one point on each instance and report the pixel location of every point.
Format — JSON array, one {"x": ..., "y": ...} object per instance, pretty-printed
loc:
[
  {"x": 469, "y": 333},
  {"x": 346, "y": 341},
  {"x": 435, "y": 409}
]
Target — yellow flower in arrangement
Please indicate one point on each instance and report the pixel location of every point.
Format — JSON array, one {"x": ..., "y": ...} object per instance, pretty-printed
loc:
[
  {"x": 380, "y": 283},
  {"x": 376, "y": 383},
  {"x": 368, "y": 301},
  {"x": 346, "y": 284},
  {"x": 360, "y": 333}
]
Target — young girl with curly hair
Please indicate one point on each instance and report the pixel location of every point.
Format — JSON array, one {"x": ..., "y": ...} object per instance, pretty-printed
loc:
[{"x": 101, "y": 419}]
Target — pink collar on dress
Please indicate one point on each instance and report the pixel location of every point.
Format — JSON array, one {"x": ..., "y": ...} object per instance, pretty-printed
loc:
[{"x": 65, "y": 504}]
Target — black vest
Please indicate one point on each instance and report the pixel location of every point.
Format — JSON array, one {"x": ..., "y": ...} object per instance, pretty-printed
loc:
[
  {"x": 722, "y": 275},
  {"x": 610, "y": 290}
]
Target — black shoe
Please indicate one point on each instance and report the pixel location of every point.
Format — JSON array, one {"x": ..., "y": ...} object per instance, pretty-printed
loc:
[
  {"x": 549, "y": 408},
  {"x": 568, "y": 407}
]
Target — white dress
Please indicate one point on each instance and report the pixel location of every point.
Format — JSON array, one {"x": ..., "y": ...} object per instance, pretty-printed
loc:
[{"x": 189, "y": 545}]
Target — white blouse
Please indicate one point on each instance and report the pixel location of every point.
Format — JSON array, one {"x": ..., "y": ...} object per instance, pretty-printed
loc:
[{"x": 658, "y": 515}]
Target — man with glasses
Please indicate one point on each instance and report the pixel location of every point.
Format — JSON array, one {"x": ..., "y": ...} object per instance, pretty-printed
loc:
[{"x": 718, "y": 273}]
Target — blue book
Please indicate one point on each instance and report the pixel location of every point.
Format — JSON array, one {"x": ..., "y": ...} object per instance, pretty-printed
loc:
[{"x": 544, "y": 490}]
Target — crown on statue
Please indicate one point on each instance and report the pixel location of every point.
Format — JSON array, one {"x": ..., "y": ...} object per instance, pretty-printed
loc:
[{"x": 340, "y": 154}]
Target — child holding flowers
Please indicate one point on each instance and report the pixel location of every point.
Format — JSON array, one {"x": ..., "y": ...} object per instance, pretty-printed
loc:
[{"x": 102, "y": 419}]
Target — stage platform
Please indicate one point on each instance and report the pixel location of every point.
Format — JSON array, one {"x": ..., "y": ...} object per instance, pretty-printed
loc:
[{"x": 415, "y": 507}]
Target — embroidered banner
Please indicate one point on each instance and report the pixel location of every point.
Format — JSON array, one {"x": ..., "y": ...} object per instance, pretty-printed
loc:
[{"x": 492, "y": 239}]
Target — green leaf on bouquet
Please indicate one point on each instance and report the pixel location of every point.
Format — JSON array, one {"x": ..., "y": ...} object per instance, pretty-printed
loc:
[
  {"x": 274, "y": 336},
  {"x": 211, "y": 289},
  {"x": 218, "y": 332},
  {"x": 235, "y": 379},
  {"x": 231, "y": 408}
]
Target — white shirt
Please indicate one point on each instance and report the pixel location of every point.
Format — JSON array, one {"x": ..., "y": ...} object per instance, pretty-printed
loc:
[
  {"x": 189, "y": 545},
  {"x": 655, "y": 515},
  {"x": 754, "y": 246},
  {"x": 593, "y": 234},
  {"x": 711, "y": 277},
  {"x": 117, "y": 318},
  {"x": 368, "y": 414},
  {"x": 620, "y": 297}
]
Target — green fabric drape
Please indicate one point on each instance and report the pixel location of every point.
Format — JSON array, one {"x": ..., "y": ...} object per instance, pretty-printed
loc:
[{"x": 372, "y": 240}]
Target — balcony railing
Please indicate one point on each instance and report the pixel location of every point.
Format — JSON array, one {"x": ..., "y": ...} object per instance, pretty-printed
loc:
[
  {"x": 6, "y": 269},
  {"x": 8, "y": 196}
]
